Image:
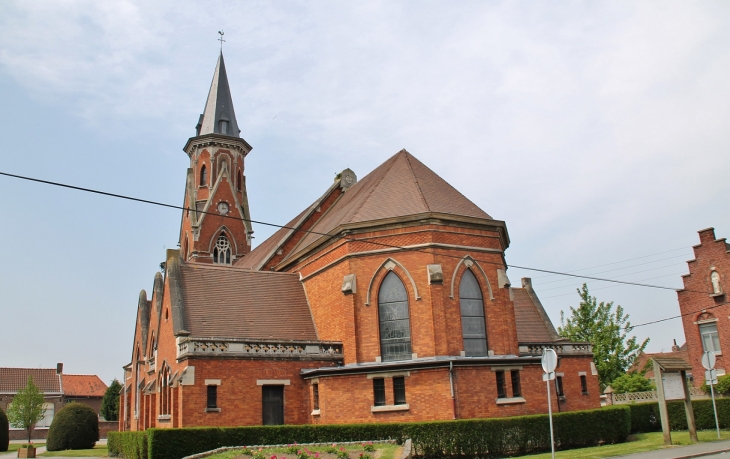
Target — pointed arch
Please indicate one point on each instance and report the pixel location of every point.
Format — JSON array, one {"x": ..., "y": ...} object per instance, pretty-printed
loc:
[
  {"x": 203, "y": 175},
  {"x": 221, "y": 230},
  {"x": 473, "y": 317},
  {"x": 222, "y": 249},
  {"x": 468, "y": 262},
  {"x": 389, "y": 264},
  {"x": 394, "y": 319}
]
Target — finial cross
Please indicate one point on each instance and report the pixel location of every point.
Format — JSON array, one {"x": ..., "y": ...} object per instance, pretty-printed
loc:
[{"x": 221, "y": 33}]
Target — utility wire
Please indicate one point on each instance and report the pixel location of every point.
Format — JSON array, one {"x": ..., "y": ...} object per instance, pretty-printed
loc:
[
  {"x": 609, "y": 286},
  {"x": 172, "y": 206},
  {"x": 619, "y": 275},
  {"x": 617, "y": 262}
]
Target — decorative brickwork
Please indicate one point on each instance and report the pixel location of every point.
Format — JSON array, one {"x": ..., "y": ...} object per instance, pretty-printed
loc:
[{"x": 700, "y": 303}]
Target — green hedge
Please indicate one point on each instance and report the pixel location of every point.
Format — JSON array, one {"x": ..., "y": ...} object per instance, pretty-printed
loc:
[
  {"x": 76, "y": 426},
  {"x": 130, "y": 445},
  {"x": 645, "y": 416},
  {"x": 4, "y": 431},
  {"x": 474, "y": 437}
]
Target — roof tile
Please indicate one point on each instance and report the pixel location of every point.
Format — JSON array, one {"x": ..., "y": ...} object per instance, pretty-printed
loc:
[
  {"x": 231, "y": 302},
  {"x": 14, "y": 379},
  {"x": 83, "y": 386}
]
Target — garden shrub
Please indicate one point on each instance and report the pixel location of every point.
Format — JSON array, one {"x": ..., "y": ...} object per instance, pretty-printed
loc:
[
  {"x": 645, "y": 416},
  {"x": 472, "y": 437},
  {"x": 76, "y": 426},
  {"x": 130, "y": 445},
  {"x": 4, "y": 431}
]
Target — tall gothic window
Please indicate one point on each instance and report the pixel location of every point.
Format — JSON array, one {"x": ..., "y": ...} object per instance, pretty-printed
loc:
[
  {"x": 238, "y": 181},
  {"x": 222, "y": 250},
  {"x": 395, "y": 326},
  {"x": 203, "y": 176},
  {"x": 473, "y": 327}
]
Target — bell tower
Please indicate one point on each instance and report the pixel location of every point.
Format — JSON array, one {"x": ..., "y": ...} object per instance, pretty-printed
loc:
[{"x": 216, "y": 228}]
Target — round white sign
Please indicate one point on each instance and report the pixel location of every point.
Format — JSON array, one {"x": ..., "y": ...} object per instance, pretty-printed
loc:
[
  {"x": 708, "y": 360},
  {"x": 549, "y": 360}
]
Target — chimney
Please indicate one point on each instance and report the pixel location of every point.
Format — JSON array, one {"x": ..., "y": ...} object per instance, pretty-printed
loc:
[
  {"x": 59, "y": 368},
  {"x": 675, "y": 348}
]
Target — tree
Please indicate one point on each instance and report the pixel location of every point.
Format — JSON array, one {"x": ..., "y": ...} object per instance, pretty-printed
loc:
[
  {"x": 27, "y": 408},
  {"x": 614, "y": 352},
  {"x": 110, "y": 402},
  {"x": 632, "y": 382}
]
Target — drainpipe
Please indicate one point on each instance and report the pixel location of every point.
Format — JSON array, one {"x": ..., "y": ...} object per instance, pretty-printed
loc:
[{"x": 451, "y": 382}]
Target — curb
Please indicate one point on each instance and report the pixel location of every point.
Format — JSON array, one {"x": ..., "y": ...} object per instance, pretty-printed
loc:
[{"x": 707, "y": 453}]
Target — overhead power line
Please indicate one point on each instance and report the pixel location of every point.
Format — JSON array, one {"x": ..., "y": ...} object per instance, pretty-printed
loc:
[{"x": 172, "y": 206}]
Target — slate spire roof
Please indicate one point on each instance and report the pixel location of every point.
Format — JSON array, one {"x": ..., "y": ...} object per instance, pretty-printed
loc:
[{"x": 219, "y": 114}]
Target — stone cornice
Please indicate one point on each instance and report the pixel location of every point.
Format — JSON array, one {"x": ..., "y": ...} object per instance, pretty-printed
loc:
[
  {"x": 217, "y": 140},
  {"x": 428, "y": 218}
]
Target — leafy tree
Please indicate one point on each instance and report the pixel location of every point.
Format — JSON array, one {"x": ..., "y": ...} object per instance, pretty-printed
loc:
[
  {"x": 27, "y": 408},
  {"x": 632, "y": 382},
  {"x": 614, "y": 352},
  {"x": 110, "y": 402}
]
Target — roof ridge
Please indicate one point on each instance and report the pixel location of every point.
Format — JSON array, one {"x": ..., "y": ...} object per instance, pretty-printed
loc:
[
  {"x": 232, "y": 268},
  {"x": 374, "y": 186},
  {"x": 413, "y": 173}
]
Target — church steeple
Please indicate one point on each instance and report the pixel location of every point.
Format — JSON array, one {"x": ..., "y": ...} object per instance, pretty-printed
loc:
[
  {"x": 217, "y": 228},
  {"x": 219, "y": 116}
]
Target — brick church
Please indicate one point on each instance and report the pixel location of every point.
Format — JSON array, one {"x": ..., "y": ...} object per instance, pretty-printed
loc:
[{"x": 387, "y": 299}]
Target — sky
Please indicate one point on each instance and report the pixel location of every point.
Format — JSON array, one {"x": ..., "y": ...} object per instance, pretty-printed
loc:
[{"x": 598, "y": 131}]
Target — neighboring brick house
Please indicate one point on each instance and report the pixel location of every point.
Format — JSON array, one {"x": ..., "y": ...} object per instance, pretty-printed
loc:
[
  {"x": 643, "y": 362},
  {"x": 386, "y": 299},
  {"x": 58, "y": 390},
  {"x": 703, "y": 303}
]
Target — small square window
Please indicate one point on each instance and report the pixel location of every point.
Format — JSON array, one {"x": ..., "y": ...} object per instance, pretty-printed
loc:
[
  {"x": 379, "y": 391},
  {"x": 399, "y": 390},
  {"x": 516, "y": 389},
  {"x": 212, "y": 397},
  {"x": 501, "y": 389},
  {"x": 315, "y": 396}
]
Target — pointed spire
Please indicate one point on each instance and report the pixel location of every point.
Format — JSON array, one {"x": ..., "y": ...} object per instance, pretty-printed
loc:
[{"x": 219, "y": 116}]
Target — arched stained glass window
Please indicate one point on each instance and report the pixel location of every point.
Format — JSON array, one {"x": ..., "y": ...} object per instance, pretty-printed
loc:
[
  {"x": 222, "y": 250},
  {"x": 473, "y": 326},
  {"x": 395, "y": 326},
  {"x": 203, "y": 176}
]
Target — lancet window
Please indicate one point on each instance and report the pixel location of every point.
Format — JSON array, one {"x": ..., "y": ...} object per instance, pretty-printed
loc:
[
  {"x": 473, "y": 325},
  {"x": 395, "y": 326},
  {"x": 222, "y": 250},
  {"x": 203, "y": 175}
]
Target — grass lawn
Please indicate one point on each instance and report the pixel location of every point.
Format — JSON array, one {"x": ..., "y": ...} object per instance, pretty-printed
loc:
[
  {"x": 636, "y": 444},
  {"x": 382, "y": 451},
  {"x": 15, "y": 446},
  {"x": 98, "y": 451}
]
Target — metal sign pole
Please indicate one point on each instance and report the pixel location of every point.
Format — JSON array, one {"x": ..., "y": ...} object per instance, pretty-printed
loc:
[
  {"x": 714, "y": 408},
  {"x": 550, "y": 415},
  {"x": 549, "y": 362}
]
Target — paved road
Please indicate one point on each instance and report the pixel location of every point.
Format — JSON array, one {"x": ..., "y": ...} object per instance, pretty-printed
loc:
[{"x": 719, "y": 449}]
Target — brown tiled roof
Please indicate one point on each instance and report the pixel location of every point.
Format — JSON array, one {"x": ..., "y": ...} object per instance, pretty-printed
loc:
[
  {"x": 531, "y": 328},
  {"x": 643, "y": 359},
  {"x": 400, "y": 186},
  {"x": 230, "y": 302},
  {"x": 14, "y": 379},
  {"x": 261, "y": 253},
  {"x": 83, "y": 386}
]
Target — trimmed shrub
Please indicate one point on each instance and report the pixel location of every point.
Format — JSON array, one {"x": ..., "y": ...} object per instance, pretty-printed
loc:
[
  {"x": 473, "y": 437},
  {"x": 130, "y": 445},
  {"x": 4, "y": 431},
  {"x": 645, "y": 416},
  {"x": 76, "y": 426}
]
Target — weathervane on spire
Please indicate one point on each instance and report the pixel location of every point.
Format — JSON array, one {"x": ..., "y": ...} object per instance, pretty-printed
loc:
[{"x": 221, "y": 33}]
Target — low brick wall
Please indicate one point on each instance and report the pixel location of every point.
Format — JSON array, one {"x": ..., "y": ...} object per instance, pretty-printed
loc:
[
  {"x": 38, "y": 434},
  {"x": 41, "y": 434},
  {"x": 107, "y": 426}
]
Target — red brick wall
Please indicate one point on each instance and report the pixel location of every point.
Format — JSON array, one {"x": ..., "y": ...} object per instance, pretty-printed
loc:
[
  {"x": 239, "y": 397},
  {"x": 697, "y": 297}
]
